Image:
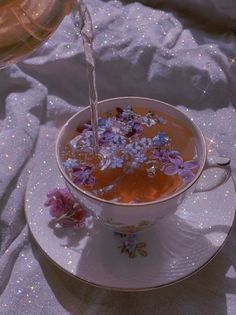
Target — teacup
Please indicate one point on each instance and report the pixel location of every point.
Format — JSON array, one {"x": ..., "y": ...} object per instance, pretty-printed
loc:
[{"x": 133, "y": 217}]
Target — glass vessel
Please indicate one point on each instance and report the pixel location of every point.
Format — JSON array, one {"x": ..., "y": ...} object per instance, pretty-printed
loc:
[{"x": 26, "y": 24}]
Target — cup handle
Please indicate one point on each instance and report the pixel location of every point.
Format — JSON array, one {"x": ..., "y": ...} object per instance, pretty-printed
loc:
[{"x": 217, "y": 162}]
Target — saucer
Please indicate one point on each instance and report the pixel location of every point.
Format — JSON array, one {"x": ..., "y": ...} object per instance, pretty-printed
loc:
[{"x": 175, "y": 248}]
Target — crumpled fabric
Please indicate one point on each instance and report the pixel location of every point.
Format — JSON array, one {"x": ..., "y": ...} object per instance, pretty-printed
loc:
[{"x": 181, "y": 52}]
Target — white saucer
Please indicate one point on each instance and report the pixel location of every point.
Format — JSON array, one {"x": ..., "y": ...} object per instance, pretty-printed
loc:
[{"x": 177, "y": 246}]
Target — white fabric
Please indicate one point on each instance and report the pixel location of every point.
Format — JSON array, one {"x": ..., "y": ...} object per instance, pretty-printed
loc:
[{"x": 180, "y": 52}]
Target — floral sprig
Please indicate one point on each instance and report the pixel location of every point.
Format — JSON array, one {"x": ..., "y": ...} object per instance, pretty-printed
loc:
[
  {"x": 131, "y": 246},
  {"x": 64, "y": 209}
]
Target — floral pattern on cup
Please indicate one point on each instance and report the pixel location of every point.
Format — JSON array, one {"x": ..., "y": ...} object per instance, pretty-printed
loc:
[{"x": 131, "y": 246}]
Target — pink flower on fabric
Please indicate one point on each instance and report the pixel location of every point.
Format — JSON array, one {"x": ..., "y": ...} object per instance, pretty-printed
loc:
[
  {"x": 59, "y": 201},
  {"x": 65, "y": 209},
  {"x": 183, "y": 169}
]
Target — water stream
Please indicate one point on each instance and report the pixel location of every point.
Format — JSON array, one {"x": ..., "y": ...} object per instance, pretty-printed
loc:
[{"x": 82, "y": 21}]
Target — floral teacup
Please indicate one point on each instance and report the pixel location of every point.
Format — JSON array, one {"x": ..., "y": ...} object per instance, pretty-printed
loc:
[{"x": 133, "y": 217}]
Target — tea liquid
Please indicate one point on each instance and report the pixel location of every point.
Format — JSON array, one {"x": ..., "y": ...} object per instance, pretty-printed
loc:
[{"x": 143, "y": 156}]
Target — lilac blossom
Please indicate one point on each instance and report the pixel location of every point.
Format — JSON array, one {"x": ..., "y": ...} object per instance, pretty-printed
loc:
[
  {"x": 130, "y": 149},
  {"x": 174, "y": 156},
  {"x": 117, "y": 162},
  {"x": 65, "y": 209},
  {"x": 58, "y": 200},
  {"x": 183, "y": 169},
  {"x": 83, "y": 176},
  {"x": 106, "y": 137},
  {"x": 105, "y": 123},
  {"x": 140, "y": 157},
  {"x": 145, "y": 142},
  {"x": 149, "y": 120},
  {"x": 71, "y": 164},
  {"x": 161, "y": 156},
  {"x": 160, "y": 139},
  {"x": 102, "y": 122},
  {"x": 132, "y": 128},
  {"x": 118, "y": 139},
  {"x": 137, "y": 126},
  {"x": 125, "y": 114}
]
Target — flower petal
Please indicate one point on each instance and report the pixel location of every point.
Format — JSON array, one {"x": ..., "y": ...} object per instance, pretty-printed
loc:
[
  {"x": 90, "y": 181},
  {"x": 170, "y": 169},
  {"x": 55, "y": 211},
  {"x": 188, "y": 165},
  {"x": 178, "y": 161},
  {"x": 78, "y": 180},
  {"x": 186, "y": 175}
]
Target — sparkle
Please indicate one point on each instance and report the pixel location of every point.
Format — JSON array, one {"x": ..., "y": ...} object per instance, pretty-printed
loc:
[
  {"x": 19, "y": 291},
  {"x": 211, "y": 143},
  {"x": 205, "y": 90},
  {"x": 233, "y": 60}
]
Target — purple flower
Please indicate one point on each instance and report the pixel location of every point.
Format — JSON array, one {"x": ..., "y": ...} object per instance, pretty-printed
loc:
[
  {"x": 65, "y": 209},
  {"x": 174, "y": 157},
  {"x": 161, "y": 156},
  {"x": 71, "y": 164},
  {"x": 118, "y": 139},
  {"x": 183, "y": 169},
  {"x": 125, "y": 114},
  {"x": 117, "y": 162},
  {"x": 145, "y": 142},
  {"x": 138, "y": 127},
  {"x": 83, "y": 176},
  {"x": 160, "y": 139},
  {"x": 106, "y": 137},
  {"x": 148, "y": 120},
  {"x": 130, "y": 149},
  {"x": 140, "y": 157},
  {"x": 132, "y": 128},
  {"x": 102, "y": 122},
  {"x": 59, "y": 201}
]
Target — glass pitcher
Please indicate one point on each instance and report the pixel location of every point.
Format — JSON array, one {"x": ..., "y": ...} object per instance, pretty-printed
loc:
[{"x": 26, "y": 24}]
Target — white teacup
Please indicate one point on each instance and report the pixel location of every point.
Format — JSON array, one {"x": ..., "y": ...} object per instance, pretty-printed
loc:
[{"x": 127, "y": 217}]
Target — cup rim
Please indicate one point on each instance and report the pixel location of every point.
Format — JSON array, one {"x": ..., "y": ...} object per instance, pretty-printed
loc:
[{"x": 141, "y": 204}]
